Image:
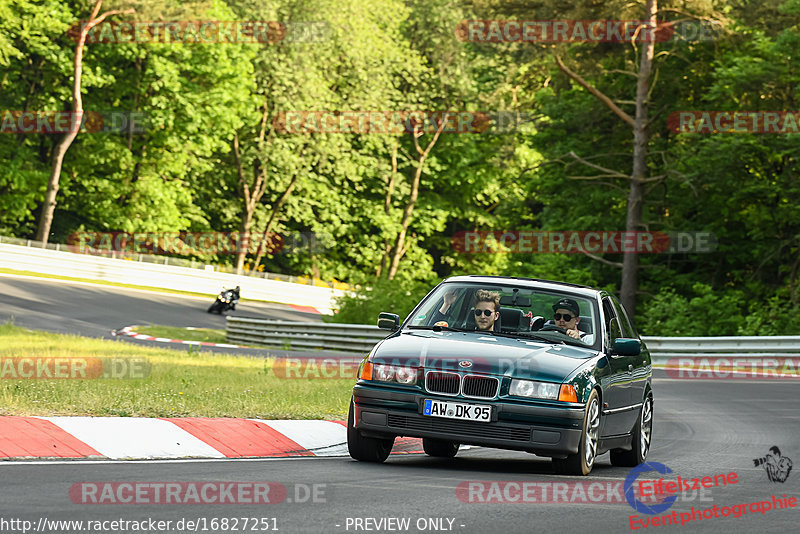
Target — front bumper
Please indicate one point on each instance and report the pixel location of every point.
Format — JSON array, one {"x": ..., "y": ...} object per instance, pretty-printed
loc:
[{"x": 542, "y": 430}]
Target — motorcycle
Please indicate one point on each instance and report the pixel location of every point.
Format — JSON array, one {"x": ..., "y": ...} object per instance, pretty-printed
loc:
[{"x": 226, "y": 300}]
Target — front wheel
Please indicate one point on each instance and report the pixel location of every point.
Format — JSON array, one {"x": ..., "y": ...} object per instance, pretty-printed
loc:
[
  {"x": 365, "y": 449},
  {"x": 640, "y": 440},
  {"x": 581, "y": 463},
  {"x": 439, "y": 448}
]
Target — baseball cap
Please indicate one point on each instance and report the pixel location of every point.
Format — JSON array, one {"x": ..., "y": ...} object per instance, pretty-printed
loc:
[{"x": 567, "y": 304}]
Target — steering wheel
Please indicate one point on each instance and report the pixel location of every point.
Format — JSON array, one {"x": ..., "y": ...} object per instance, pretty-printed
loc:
[{"x": 553, "y": 327}]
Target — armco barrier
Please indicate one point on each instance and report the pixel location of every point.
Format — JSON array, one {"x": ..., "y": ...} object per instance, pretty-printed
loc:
[
  {"x": 292, "y": 335},
  {"x": 361, "y": 339},
  {"x": 663, "y": 348},
  {"x": 62, "y": 263}
]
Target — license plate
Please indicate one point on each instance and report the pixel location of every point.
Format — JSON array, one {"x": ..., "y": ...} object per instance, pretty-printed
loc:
[{"x": 457, "y": 410}]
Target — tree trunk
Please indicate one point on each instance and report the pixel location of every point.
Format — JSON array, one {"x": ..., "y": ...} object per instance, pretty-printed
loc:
[
  {"x": 49, "y": 205},
  {"x": 250, "y": 196},
  {"x": 251, "y": 200},
  {"x": 399, "y": 248},
  {"x": 633, "y": 218},
  {"x": 243, "y": 241},
  {"x": 276, "y": 208},
  {"x": 387, "y": 208},
  {"x": 398, "y": 251},
  {"x": 630, "y": 262}
]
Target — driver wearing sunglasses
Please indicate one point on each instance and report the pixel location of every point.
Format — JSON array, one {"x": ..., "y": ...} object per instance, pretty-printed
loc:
[
  {"x": 487, "y": 309},
  {"x": 567, "y": 315}
]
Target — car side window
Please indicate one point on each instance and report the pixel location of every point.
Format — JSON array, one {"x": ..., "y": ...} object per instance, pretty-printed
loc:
[
  {"x": 612, "y": 323},
  {"x": 627, "y": 327},
  {"x": 454, "y": 313}
]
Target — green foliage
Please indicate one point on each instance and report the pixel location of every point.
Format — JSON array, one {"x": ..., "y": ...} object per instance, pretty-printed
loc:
[
  {"x": 363, "y": 305},
  {"x": 180, "y": 174},
  {"x": 717, "y": 313},
  {"x": 705, "y": 314}
]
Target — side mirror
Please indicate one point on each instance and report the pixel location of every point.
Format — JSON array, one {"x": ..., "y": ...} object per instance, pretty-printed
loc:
[
  {"x": 388, "y": 321},
  {"x": 626, "y": 347}
]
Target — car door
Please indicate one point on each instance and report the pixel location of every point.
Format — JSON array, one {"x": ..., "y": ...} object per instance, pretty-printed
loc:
[
  {"x": 617, "y": 394},
  {"x": 641, "y": 369}
]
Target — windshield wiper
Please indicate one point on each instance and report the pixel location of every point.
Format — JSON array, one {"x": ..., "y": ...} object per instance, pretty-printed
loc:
[
  {"x": 566, "y": 340},
  {"x": 514, "y": 335},
  {"x": 435, "y": 328},
  {"x": 531, "y": 335}
]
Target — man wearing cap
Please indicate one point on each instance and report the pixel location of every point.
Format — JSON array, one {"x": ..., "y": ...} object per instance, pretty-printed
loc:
[{"x": 567, "y": 315}]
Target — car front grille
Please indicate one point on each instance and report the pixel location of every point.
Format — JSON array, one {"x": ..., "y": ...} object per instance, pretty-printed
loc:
[
  {"x": 461, "y": 428},
  {"x": 444, "y": 383},
  {"x": 484, "y": 387},
  {"x": 476, "y": 386}
]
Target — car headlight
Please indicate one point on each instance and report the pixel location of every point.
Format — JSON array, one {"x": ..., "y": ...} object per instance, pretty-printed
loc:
[
  {"x": 406, "y": 375},
  {"x": 393, "y": 373},
  {"x": 534, "y": 389},
  {"x": 383, "y": 373}
]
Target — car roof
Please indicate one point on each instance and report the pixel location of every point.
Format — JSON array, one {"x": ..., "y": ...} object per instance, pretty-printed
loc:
[{"x": 531, "y": 283}]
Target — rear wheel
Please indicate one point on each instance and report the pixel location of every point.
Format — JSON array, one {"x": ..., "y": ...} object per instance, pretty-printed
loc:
[
  {"x": 365, "y": 449},
  {"x": 581, "y": 463},
  {"x": 439, "y": 448},
  {"x": 640, "y": 441}
]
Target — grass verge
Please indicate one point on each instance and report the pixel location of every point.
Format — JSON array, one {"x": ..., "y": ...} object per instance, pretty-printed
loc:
[
  {"x": 209, "y": 335},
  {"x": 180, "y": 384}
]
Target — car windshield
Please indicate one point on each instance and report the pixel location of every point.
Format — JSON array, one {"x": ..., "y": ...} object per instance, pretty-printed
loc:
[{"x": 523, "y": 312}]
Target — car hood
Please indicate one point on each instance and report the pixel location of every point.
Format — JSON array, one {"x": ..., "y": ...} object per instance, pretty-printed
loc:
[{"x": 473, "y": 352}]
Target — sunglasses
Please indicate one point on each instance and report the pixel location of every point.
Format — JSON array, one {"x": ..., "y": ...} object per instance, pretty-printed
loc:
[
  {"x": 567, "y": 317},
  {"x": 487, "y": 313}
]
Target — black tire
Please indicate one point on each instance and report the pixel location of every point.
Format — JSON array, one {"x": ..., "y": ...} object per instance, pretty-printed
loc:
[
  {"x": 365, "y": 449},
  {"x": 640, "y": 439},
  {"x": 440, "y": 448},
  {"x": 581, "y": 464},
  {"x": 212, "y": 308}
]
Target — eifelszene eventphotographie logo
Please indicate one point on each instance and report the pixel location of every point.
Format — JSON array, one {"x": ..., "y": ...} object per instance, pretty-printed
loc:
[{"x": 777, "y": 467}]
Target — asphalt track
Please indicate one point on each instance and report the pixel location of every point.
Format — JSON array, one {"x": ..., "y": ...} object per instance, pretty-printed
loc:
[
  {"x": 97, "y": 310},
  {"x": 701, "y": 428}
]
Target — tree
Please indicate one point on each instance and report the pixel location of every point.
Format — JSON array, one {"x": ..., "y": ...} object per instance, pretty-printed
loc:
[
  {"x": 46, "y": 217},
  {"x": 639, "y": 124}
]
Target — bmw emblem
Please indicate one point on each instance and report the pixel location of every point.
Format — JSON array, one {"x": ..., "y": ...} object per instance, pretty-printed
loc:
[{"x": 466, "y": 364}]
